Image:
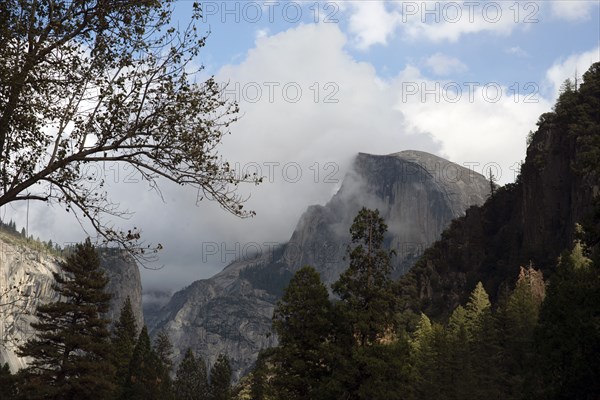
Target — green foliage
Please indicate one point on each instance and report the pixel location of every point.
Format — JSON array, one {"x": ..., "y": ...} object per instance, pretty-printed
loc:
[
  {"x": 146, "y": 378},
  {"x": 191, "y": 381},
  {"x": 220, "y": 380},
  {"x": 519, "y": 318},
  {"x": 163, "y": 348},
  {"x": 261, "y": 377},
  {"x": 8, "y": 389},
  {"x": 477, "y": 310},
  {"x": 123, "y": 340},
  {"x": 365, "y": 318},
  {"x": 533, "y": 344},
  {"x": 568, "y": 337},
  {"x": 71, "y": 352},
  {"x": 365, "y": 288},
  {"x": 302, "y": 320},
  {"x": 587, "y": 123}
]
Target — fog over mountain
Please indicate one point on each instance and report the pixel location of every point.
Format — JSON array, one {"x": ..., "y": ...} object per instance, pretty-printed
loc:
[{"x": 417, "y": 193}]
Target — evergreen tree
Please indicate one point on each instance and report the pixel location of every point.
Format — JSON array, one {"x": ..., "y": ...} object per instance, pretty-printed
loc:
[
  {"x": 422, "y": 355},
  {"x": 568, "y": 337},
  {"x": 220, "y": 380},
  {"x": 163, "y": 348},
  {"x": 484, "y": 343},
  {"x": 302, "y": 320},
  {"x": 460, "y": 363},
  {"x": 519, "y": 317},
  {"x": 367, "y": 308},
  {"x": 123, "y": 341},
  {"x": 423, "y": 333},
  {"x": 190, "y": 380},
  {"x": 365, "y": 288},
  {"x": 259, "y": 382},
  {"x": 477, "y": 310},
  {"x": 7, "y": 383},
  {"x": 145, "y": 380},
  {"x": 70, "y": 354}
]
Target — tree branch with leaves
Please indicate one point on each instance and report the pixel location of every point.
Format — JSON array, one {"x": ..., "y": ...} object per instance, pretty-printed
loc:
[{"x": 96, "y": 81}]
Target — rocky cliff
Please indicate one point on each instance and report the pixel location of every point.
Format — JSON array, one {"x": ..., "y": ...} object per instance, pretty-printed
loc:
[
  {"x": 417, "y": 193},
  {"x": 530, "y": 221},
  {"x": 26, "y": 280}
]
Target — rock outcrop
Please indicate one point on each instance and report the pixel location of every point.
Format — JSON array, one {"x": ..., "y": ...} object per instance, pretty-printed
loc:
[
  {"x": 530, "y": 221},
  {"x": 418, "y": 194},
  {"x": 26, "y": 280}
]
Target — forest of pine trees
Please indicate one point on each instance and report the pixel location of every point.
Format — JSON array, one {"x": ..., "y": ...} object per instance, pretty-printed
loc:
[
  {"x": 540, "y": 341},
  {"x": 78, "y": 354}
]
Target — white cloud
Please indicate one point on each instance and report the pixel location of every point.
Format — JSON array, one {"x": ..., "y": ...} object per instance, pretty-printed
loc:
[
  {"x": 371, "y": 23},
  {"x": 344, "y": 108},
  {"x": 573, "y": 10},
  {"x": 484, "y": 123},
  {"x": 261, "y": 33},
  {"x": 376, "y": 22},
  {"x": 566, "y": 68},
  {"x": 444, "y": 65},
  {"x": 517, "y": 51},
  {"x": 313, "y": 137}
]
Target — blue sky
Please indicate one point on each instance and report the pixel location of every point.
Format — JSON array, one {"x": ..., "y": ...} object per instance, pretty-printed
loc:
[
  {"x": 374, "y": 55},
  {"x": 516, "y": 46},
  {"x": 377, "y": 80}
]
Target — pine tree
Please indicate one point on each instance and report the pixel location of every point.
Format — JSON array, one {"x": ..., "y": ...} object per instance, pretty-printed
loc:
[
  {"x": 7, "y": 383},
  {"x": 568, "y": 337},
  {"x": 260, "y": 386},
  {"x": 124, "y": 338},
  {"x": 366, "y": 309},
  {"x": 423, "y": 333},
  {"x": 220, "y": 380},
  {"x": 484, "y": 346},
  {"x": 477, "y": 310},
  {"x": 70, "y": 352},
  {"x": 422, "y": 356},
  {"x": 145, "y": 379},
  {"x": 365, "y": 288},
  {"x": 302, "y": 320},
  {"x": 520, "y": 319},
  {"x": 163, "y": 348},
  {"x": 191, "y": 381},
  {"x": 460, "y": 363}
]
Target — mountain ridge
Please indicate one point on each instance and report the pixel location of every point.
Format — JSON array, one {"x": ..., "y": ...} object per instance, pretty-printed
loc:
[{"x": 231, "y": 312}]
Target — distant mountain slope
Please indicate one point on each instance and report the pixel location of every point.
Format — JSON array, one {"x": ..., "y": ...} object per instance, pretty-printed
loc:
[
  {"x": 417, "y": 193},
  {"x": 26, "y": 280},
  {"x": 532, "y": 220}
]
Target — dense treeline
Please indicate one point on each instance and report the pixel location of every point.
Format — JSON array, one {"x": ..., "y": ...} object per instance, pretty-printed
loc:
[
  {"x": 11, "y": 229},
  {"x": 532, "y": 219},
  {"x": 78, "y": 354},
  {"x": 540, "y": 341}
]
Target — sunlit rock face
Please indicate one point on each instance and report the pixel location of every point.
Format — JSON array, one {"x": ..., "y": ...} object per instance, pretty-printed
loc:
[
  {"x": 26, "y": 280},
  {"x": 418, "y": 194}
]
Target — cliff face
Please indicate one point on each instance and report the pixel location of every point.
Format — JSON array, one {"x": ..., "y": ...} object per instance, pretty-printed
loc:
[
  {"x": 418, "y": 194},
  {"x": 26, "y": 279},
  {"x": 532, "y": 220}
]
